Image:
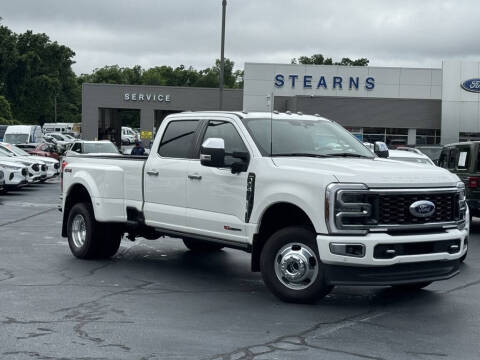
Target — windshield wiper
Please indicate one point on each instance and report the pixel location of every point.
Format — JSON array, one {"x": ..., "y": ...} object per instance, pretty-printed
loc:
[
  {"x": 301, "y": 154},
  {"x": 349, "y": 155}
]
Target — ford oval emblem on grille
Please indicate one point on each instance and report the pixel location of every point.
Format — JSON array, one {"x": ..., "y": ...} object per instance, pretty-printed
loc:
[{"x": 422, "y": 208}]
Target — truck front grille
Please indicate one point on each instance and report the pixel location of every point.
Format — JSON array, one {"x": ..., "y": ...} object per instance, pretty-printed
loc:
[{"x": 394, "y": 208}]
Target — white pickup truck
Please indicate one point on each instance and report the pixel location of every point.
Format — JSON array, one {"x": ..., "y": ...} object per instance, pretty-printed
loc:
[{"x": 313, "y": 206}]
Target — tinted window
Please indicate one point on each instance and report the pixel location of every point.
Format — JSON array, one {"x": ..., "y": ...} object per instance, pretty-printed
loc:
[
  {"x": 452, "y": 158},
  {"x": 227, "y": 132},
  {"x": 76, "y": 147},
  {"x": 99, "y": 147},
  {"x": 442, "y": 160},
  {"x": 177, "y": 140}
]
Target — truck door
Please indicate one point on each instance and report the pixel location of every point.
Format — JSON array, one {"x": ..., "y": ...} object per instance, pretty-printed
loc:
[
  {"x": 215, "y": 196},
  {"x": 165, "y": 176}
]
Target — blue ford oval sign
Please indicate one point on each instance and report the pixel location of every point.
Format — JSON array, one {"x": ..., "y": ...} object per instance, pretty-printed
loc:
[
  {"x": 422, "y": 208},
  {"x": 472, "y": 85}
]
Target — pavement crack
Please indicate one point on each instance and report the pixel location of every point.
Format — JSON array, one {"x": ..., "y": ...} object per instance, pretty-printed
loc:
[
  {"x": 6, "y": 274},
  {"x": 461, "y": 287},
  {"x": 27, "y": 217},
  {"x": 298, "y": 342}
]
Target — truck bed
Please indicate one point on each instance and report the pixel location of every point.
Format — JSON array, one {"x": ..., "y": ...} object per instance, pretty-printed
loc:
[{"x": 115, "y": 182}]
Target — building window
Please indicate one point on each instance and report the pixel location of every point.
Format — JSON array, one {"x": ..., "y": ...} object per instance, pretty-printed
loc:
[
  {"x": 469, "y": 136},
  {"x": 373, "y": 134},
  {"x": 428, "y": 136}
]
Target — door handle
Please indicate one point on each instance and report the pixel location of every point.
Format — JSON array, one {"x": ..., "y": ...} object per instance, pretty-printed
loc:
[
  {"x": 152, "y": 172},
  {"x": 195, "y": 177}
]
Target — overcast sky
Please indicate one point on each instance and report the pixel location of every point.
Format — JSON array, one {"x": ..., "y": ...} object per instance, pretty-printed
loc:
[{"x": 411, "y": 33}]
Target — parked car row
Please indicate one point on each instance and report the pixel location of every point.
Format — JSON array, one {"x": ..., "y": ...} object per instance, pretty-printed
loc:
[{"x": 19, "y": 168}]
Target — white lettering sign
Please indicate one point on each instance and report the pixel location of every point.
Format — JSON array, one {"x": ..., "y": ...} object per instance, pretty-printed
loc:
[{"x": 147, "y": 97}]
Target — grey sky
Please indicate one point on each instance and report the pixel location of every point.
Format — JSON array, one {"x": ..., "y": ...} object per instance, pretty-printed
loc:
[{"x": 158, "y": 32}]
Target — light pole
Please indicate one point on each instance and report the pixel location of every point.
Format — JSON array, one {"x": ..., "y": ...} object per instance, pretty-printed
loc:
[
  {"x": 222, "y": 57},
  {"x": 55, "y": 106}
]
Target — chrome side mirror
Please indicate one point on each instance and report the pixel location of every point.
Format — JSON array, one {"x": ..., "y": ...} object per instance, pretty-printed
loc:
[{"x": 381, "y": 149}]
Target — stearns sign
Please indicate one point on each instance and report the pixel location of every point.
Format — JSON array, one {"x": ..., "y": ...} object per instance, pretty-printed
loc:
[
  {"x": 148, "y": 97},
  {"x": 322, "y": 82}
]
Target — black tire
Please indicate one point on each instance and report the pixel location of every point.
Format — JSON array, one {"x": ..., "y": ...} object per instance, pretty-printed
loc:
[
  {"x": 313, "y": 289},
  {"x": 110, "y": 241},
  {"x": 412, "y": 286},
  {"x": 201, "y": 246},
  {"x": 98, "y": 242},
  {"x": 464, "y": 256}
]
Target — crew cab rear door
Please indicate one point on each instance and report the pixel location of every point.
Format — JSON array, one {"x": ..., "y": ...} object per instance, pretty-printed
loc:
[{"x": 165, "y": 176}]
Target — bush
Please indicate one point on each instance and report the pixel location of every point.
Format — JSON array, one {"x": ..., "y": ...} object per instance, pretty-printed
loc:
[{"x": 4, "y": 121}]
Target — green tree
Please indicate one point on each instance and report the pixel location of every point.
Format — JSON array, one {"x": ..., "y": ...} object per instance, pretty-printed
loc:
[
  {"x": 5, "y": 111},
  {"x": 42, "y": 73},
  {"x": 8, "y": 54},
  {"x": 319, "y": 59}
]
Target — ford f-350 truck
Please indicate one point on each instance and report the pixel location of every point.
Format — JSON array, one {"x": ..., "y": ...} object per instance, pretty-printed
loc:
[{"x": 312, "y": 205}]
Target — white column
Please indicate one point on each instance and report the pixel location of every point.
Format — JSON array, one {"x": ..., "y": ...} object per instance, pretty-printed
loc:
[{"x": 412, "y": 136}]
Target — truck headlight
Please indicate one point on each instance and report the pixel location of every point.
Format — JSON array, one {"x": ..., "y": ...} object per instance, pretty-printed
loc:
[{"x": 348, "y": 209}]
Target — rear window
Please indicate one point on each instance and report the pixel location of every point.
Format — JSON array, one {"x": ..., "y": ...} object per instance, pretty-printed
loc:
[
  {"x": 177, "y": 140},
  {"x": 452, "y": 158},
  {"x": 443, "y": 159},
  {"x": 91, "y": 148}
]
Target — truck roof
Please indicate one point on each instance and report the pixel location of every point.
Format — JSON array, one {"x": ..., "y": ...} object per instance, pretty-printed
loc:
[{"x": 257, "y": 115}]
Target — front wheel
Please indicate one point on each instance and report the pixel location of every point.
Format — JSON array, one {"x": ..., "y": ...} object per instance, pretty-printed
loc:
[{"x": 291, "y": 267}]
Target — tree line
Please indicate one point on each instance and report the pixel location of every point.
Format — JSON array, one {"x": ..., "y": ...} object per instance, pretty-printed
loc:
[{"x": 36, "y": 73}]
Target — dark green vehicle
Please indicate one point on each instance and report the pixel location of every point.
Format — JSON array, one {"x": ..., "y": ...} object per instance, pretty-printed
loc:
[{"x": 463, "y": 159}]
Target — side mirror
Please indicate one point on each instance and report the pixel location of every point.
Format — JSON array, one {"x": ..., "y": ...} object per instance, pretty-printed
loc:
[
  {"x": 212, "y": 153},
  {"x": 381, "y": 149},
  {"x": 242, "y": 165}
]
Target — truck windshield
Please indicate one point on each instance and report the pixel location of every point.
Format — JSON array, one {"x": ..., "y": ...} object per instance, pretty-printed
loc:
[
  {"x": 314, "y": 138},
  {"x": 16, "y": 138}
]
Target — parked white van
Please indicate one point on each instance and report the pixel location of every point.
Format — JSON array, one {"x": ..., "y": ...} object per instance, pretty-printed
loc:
[
  {"x": 57, "y": 127},
  {"x": 23, "y": 134}
]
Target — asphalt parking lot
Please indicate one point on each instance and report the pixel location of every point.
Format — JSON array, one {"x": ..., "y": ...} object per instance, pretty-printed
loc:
[{"x": 156, "y": 300}]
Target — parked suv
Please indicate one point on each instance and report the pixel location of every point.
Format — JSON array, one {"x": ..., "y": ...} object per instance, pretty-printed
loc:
[{"x": 462, "y": 159}]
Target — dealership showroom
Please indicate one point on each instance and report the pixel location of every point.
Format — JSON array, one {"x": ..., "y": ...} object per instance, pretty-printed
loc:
[{"x": 400, "y": 106}]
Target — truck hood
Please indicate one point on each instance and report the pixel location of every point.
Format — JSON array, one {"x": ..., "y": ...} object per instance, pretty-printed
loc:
[{"x": 375, "y": 173}]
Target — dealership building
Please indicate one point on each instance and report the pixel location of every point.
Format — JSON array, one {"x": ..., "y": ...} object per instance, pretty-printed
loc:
[{"x": 396, "y": 105}]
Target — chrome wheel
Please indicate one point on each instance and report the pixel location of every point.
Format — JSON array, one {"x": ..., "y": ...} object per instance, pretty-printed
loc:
[
  {"x": 296, "y": 266},
  {"x": 79, "y": 230}
]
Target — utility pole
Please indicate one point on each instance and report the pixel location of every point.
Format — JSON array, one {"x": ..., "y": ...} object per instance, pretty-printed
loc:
[
  {"x": 55, "y": 105},
  {"x": 222, "y": 57}
]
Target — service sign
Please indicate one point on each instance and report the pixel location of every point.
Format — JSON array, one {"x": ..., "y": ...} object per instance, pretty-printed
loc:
[
  {"x": 147, "y": 97},
  {"x": 472, "y": 85}
]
